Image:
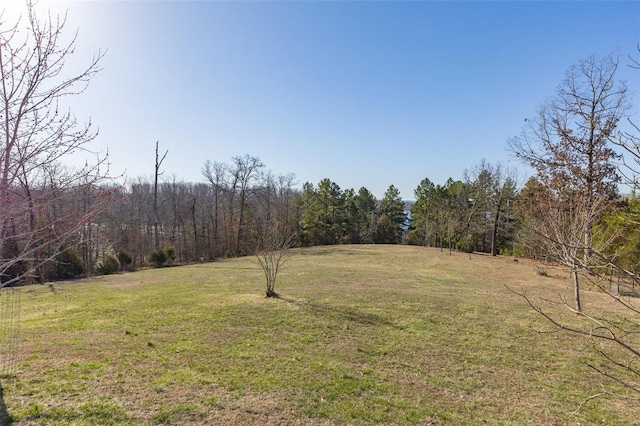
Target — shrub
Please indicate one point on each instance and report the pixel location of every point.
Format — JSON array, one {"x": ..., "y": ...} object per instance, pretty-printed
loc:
[
  {"x": 68, "y": 264},
  {"x": 170, "y": 251},
  {"x": 159, "y": 257},
  {"x": 125, "y": 259},
  {"x": 108, "y": 262}
]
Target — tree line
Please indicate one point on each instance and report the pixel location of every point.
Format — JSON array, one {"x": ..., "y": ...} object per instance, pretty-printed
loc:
[
  {"x": 58, "y": 222},
  {"x": 148, "y": 222}
]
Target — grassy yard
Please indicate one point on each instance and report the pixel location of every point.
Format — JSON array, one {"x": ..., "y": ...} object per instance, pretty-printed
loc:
[{"x": 362, "y": 335}]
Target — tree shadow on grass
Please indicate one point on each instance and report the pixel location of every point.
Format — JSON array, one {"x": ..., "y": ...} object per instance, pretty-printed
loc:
[
  {"x": 5, "y": 417},
  {"x": 346, "y": 313}
]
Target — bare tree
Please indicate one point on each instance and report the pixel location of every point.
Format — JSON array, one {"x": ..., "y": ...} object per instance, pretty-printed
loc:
[
  {"x": 216, "y": 174},
  {"x": 503, "y": 191},
  {"x": 559, "y": 215},
  {"x": 568, "y": 142},
  {"x": 559, "y": 221},
  {"x": 244, "y": 171},
  {"x": 272, "y": 252},
  {"x": 36, "y": 132},
  {"x": 568, "y": 145},
  {"x": 156, "y": 175},
  {"x": 629, "y": 141}
]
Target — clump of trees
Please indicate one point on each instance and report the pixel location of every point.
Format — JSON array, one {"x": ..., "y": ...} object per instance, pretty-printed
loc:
[
  {"x": 161, "y": 256},
  {"x": 471, "y": 215},
  {"x": 57, "y": 222},
  {"x": 333, "y": 216}
]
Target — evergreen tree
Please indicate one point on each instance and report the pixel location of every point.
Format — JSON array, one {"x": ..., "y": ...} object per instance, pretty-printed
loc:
[
  {"x": 455, "y": 213},
  {"x": 366, "y": 218},
  {"x": 423, "y": 214},
  {"x": 351, "y": 217},
  {"x": 392, "y": 218},
  {"x": 310, "y": 216}
]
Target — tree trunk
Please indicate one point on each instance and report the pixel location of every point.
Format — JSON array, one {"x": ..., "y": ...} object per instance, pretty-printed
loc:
[
  {"x": 196, "y": 250},
  {"x": 576, "y": 286},
  {"x": 155, "y": 196},
  {"x": 494, "y": 235}
]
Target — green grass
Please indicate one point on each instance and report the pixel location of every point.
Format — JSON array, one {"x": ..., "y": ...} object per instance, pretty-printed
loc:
[{"x": 361, "y": 335}]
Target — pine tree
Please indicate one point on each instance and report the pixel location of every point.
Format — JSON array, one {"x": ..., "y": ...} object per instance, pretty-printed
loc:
[{"x": 392, "y": 218}]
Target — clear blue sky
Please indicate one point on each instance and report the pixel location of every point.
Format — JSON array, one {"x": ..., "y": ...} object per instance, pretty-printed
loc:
[{"x": 364, "y": 93}]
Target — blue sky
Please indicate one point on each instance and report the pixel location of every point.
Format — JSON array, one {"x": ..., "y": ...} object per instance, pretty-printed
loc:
[{"x": 364, "y": 93}]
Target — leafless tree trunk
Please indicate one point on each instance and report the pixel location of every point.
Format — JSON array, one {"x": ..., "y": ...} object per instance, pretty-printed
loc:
[{"x": 156, "y": 175}]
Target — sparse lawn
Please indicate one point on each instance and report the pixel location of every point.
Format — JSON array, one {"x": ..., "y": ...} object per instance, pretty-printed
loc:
[{"x": 361, "y": 335}]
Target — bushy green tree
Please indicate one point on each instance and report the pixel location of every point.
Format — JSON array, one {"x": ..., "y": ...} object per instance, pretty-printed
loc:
[
  {"x": 621, "y": 225},
  {"x": 310, "y": 217},
  {"x": 158, "y": 257}
]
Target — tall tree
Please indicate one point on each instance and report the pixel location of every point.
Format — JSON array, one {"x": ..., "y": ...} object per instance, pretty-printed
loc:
[
  {"x": 422, "y": 212},
  {"x": 156, "y": 175},
  {"x": 272, "y": 205},
  {"x": 244, "y": 173},
  {"x": 478, "y": 182},
  {"x": 216, "y": 175},
  {"x": 457, "y": 213},
  {"x": 330, "y": 201},
  {"x": 392, "y": 218},
  {"x": 567, "y": 143},
  {"x": 494, "y": 187},
  {"x": 351, "y": 217},
  {"x": 615, "y": 245},
  {"x": 367, "y": 205},
  {"x": 310, "y": 216},
  {"x": 323, "y": 213}
]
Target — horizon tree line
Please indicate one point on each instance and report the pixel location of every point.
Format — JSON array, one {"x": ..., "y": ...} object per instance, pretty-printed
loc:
[{"x": 57, "y": 220}]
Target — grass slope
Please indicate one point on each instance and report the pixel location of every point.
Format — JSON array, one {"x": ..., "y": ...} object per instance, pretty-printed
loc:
[{"x": 362, "y": 335}]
